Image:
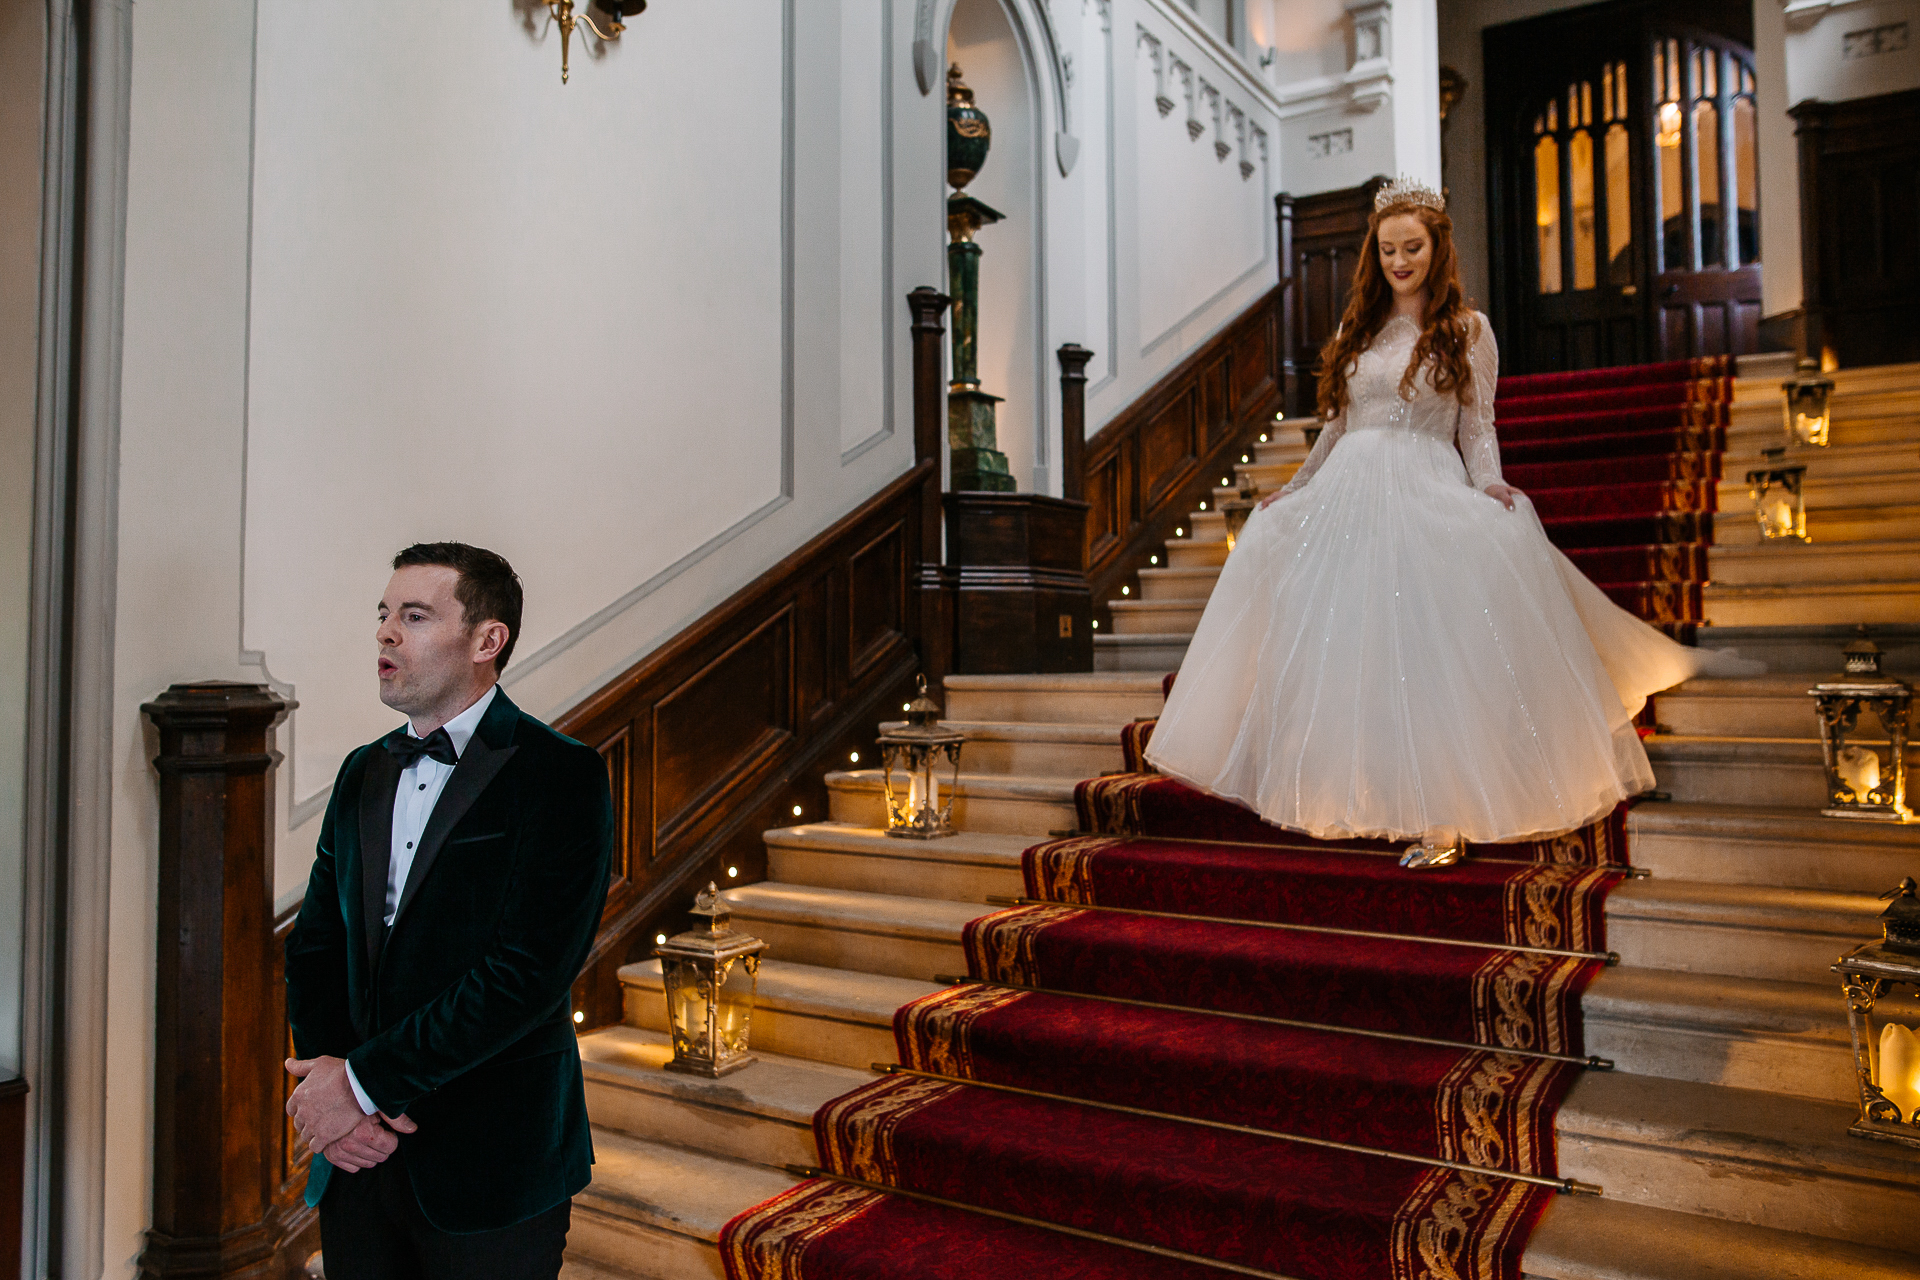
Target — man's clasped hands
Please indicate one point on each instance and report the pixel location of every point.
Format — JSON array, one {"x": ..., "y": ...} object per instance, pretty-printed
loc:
[{"x": 330, "y": 1121}]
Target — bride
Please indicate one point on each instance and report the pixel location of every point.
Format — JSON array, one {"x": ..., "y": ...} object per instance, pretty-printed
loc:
[{"x": 1394, "y": 648}]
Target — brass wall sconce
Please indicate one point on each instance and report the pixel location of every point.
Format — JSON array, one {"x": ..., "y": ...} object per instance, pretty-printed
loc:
[
  {"x": 1888, "y": 1063},
  {"x": 710, "y": 973},
  {"x": 1808, "y": 394},
  {"x": 915, "y": 810},
  {"x": 616, "y": 11},
  {"x": 1861, "y": 782},
  {"x": 1778, "y": 503}
]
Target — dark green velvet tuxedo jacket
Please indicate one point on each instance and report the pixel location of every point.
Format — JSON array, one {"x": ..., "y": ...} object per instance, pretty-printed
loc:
[{"x": 458, "y": 1016}]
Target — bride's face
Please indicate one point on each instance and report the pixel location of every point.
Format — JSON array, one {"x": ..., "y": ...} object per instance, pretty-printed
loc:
[{"x": 1406, "y": 253}]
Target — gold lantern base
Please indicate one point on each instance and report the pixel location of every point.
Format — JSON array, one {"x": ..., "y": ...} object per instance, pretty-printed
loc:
[{"x": 706, "y": 1070}]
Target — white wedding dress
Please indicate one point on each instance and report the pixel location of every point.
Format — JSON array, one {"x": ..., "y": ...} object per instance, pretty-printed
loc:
[{"x": 1391, "y": 652}]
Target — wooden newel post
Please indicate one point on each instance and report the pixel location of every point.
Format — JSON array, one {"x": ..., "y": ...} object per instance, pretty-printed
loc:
[
  {"x": 1073, "y": 420},
  {"x": 933, "y": 582},
  {"x": 218, "y": 1036},
  {"x": 1290, "y": 302}
]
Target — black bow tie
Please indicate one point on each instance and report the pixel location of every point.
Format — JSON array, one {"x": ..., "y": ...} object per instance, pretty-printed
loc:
[{"x": 408, "y": 749}]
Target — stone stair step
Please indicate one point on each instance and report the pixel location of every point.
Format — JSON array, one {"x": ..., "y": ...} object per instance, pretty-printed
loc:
[
  {"x": 1738, "y": 770},
  {"x": 1888, "y": 487},
  {"x": 1757, "y": 844},
  {"x": 1156, "y": 617},
  {"x": 1178, "y": 584},
  {"x": 1836, "y": 460},
  {"x": 1187, "y": 554},
  {"x": 836, "y": 1016},
  {"x": 1814, "y": 648},
  {"x": 1017, "y": 803},
  {"x": 1745, "y": 1155},
  {"x": 1791, "y": 561},
  {"x": 882, "y": 933},
  {"x": 1144, "y": 653},
  {"x": 1735, "y": 526},
  {"x": 1101, "y": 698},
  {"x": 1600, "y": 1238},
  {"x": 1738, "y": 930},
  {"x": 1769, "y": 706},
  {"x": 1759, "y": 604},
  {"x": 1747, "y": 1033},
  {"x": 654, "y": 1212},
  {"x": 762, "y": 1113},
  {"x": 967, "y": 867},
  {"x": 1039, "y": 748}
]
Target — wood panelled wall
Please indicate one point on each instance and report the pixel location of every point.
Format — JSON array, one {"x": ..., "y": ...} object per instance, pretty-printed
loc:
[
  {"x": 1860, "y": 227},
  {"x": 1320, "y": 241},
  {"x": 727, "y": 730},
  {"x": 1162, "y": 455}
]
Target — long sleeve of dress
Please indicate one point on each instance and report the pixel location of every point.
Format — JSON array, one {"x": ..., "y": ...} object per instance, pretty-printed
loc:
[
  {"x": 1479, "y": 445},
  {"x": 1329, "y": 436}
]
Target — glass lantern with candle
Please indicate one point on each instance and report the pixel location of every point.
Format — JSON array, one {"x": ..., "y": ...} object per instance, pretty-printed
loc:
[
  {"x": 711, "y": 972},
  {"x": 920, "y": 751},
  {"x": 1236, "y": 509},
  {"x": 1778, "y": 503},
  {"x": 1808, "y": 394},
  {"x": 1880, "y": 981},
  {"x": 1864, "y": 779}
]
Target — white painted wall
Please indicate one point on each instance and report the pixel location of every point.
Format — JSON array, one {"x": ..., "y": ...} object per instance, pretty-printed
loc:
[
  {"x": 1837, "y": 52},
  {"x": 643, "y": 333},
  {"x": 1779, "y": 158},
  {"x": 22, "y": 80}
]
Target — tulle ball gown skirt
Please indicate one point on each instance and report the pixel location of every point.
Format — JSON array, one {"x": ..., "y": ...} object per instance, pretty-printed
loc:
[{"x": 1391, "y": 652}]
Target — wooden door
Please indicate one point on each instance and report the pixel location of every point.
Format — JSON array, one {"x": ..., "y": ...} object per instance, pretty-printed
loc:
[{"x": 1623, "y": 189}]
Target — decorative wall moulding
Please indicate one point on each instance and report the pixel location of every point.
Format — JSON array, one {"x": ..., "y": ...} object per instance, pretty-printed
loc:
[{"x": 1145, "y": 39}]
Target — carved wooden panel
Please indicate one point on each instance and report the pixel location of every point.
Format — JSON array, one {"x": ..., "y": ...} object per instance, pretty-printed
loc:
[
  {"x": 724, "y": 731},
  {"x": 726, "y": 719},
  {"x": 876, "y": 600},
  {"x": 617, "y": 752},
  {"x": 1252, "y": 365},
  {"x": 1168, "y": 445}
]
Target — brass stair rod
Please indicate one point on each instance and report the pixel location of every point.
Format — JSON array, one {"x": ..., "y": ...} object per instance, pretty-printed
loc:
[
  {"x": 1065, "y": 833},
  {"x": 1609, "y": 957},
  {"x": 1565, "y": 1186},
  {"x": 1595, "y": 1063},
  {"x": 1160, "y": 1251}
]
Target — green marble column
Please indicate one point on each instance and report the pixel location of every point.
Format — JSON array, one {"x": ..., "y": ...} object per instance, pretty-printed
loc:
[{"x": 973, "y": 436}]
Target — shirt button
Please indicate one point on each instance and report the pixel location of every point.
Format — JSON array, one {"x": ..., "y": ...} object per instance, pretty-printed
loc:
[
  {"x": 423, "y": 786},
  {"x": 409, "y": 844}
]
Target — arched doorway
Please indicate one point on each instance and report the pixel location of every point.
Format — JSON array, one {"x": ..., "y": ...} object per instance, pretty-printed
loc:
[
  {"x": 1623, "y": 161},
  {"x": 991, "y": 47}
]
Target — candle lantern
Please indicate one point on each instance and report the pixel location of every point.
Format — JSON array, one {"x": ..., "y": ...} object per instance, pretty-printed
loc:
[
  {"x": 1237, "y": 508},
  {"x": 1778, "y": 503},
  {"x": 1861, "y": 781},
  {"x": 711, "y": 972},
  {"x": 920, "y": 750},
  {"x": 1877, "y": 979},
  {"x": 1807, "y": 395}
]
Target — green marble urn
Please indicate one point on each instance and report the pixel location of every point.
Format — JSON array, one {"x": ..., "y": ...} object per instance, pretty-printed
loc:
[{"x": 968, "y": 133}]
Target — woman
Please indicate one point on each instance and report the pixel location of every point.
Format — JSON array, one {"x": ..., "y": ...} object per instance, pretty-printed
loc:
[{"x": 1394, "y": 648}]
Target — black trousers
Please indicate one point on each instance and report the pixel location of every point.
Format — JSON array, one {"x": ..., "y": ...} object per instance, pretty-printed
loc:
[{"x": 371, "y": 1228}]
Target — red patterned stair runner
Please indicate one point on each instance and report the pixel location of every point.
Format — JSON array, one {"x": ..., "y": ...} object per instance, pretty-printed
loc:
[
  {"x": 1622, "y": 466},
  {"x": 1133, "y": 1042}
]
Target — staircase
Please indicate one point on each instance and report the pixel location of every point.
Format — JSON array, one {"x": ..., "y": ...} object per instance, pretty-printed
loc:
[
  {"x": 1720, "y": 1138},
  {"x": 1862, "y": 560}
]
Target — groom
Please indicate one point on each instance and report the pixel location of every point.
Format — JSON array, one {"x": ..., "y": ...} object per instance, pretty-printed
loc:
[{"x": 460, "y": 876}]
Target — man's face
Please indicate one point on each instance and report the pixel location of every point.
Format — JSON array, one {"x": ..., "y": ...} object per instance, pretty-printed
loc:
[{"x": 427, "y": 651}]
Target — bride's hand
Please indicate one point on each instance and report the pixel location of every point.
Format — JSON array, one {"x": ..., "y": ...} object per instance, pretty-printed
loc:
[
  {"x": 1270, "y": 499},
  {"x": 1504, "y": 494}
]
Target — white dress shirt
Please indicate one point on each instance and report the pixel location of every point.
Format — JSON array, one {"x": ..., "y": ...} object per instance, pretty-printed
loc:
[{"x": 420, "y": 786}]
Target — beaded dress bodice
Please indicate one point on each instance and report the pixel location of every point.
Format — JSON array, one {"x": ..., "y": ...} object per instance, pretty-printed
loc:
[{"x": 1374, "y": 402}]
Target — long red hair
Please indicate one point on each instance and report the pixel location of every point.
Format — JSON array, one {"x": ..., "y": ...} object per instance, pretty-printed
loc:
[{"x": 1446, "y": 339}]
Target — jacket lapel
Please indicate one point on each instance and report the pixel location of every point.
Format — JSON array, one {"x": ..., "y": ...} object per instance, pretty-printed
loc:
[
  {"x": 487, "y": 753},
  {"x": 378, "y": 786}
]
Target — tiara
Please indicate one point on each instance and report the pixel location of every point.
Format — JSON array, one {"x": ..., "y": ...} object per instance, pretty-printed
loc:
[{"x": 1407, "y": 191}]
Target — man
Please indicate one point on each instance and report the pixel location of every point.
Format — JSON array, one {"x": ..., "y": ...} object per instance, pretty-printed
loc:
[{"x": 460, "y": 876}]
